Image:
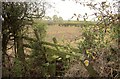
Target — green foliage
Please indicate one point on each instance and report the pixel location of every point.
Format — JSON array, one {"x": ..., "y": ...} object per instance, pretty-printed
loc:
[
  {"x": 47, "y": 59},
  {"x": 41, "y": 29},
  {"x": 17, "y": 69},
  {"x": 16, "y": 17}
]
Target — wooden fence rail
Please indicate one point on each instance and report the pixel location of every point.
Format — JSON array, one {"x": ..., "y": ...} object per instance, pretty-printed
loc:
[{"x": 90, "y": 69}]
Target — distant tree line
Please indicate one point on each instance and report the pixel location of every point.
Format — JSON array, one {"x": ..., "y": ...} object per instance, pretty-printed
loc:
[{"x": 55, "y": 18}]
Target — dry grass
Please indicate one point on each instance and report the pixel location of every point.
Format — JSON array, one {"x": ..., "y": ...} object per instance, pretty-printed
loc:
[{"x": 66, "y": 34}]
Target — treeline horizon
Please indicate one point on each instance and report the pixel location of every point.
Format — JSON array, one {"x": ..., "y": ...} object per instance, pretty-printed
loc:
[{"x": 66, "y": 22}]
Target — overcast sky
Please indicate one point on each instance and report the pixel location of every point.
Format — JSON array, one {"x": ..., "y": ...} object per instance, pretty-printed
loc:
[{"x": 67, "y": 8}]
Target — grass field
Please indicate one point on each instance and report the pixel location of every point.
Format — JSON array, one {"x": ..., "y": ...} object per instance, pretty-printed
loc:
[{"x": 63, "y": 34}]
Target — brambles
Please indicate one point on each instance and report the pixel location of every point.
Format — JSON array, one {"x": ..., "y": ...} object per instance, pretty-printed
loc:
[{"x": 97, "y": 46}]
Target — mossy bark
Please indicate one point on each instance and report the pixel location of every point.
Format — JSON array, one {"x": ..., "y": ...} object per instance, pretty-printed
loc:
[{"x": 20, "y": 52}]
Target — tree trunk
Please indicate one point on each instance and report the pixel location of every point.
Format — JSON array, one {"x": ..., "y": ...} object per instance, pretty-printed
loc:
[{"x": 20, "y": 52}]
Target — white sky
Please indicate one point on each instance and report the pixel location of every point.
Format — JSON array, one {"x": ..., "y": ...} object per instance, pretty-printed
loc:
[{"x": 67, "y": 8}]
